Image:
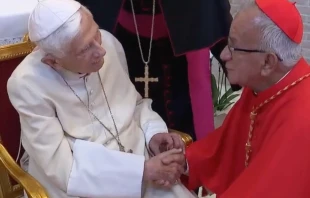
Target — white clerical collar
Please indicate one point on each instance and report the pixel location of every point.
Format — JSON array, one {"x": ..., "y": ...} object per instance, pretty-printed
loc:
[
  {"x": 68, "y": 75},
  {"x": 255, "y": 93},
  {"x": 283, "y": 77}
]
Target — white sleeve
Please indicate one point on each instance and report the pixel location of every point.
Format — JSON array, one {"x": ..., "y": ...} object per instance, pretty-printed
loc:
[
  {"x": 100, "y": 172},
  {"x": 150, "y": 122},
  {"x": 42, "y": 135},
  {"x": 89, "y": 169}
]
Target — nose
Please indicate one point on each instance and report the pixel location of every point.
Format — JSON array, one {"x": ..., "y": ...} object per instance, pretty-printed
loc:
[
  {"x": 100, "y": 52},
  {"x": 225, "y": 54},
  {"x": 98, "y": 49}
]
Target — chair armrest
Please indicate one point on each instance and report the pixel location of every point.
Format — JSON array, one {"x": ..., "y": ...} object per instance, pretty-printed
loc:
[
  {"x": 187, "y": 139},
  {"x": 32, "y": 187}
]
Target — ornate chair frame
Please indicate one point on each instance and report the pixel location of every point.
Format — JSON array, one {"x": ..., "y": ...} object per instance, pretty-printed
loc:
[
  {"x": 8, "y": 166},
  {"x": 187, "y": 139},
  {"x": 12, "y": 51}
]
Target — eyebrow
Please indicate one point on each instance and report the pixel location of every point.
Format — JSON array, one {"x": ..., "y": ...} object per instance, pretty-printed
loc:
[{"x": 86, "y": 45}]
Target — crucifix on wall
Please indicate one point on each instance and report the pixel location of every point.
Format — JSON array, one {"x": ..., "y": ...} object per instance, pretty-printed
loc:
[{"x": 146, "y": 79}]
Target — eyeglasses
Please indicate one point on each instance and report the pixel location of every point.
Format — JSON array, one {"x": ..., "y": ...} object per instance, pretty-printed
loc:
[{"x": 231, "y": 49}]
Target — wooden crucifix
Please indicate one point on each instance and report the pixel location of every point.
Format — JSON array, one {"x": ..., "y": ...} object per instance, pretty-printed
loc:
[{"x": 146, "y": 79}]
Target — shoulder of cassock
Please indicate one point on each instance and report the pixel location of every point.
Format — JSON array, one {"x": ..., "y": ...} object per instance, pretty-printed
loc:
[{"x": 32, "y": 71}]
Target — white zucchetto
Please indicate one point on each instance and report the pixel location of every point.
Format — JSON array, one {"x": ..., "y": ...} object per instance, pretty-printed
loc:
[{"x": 48, "y": 16}]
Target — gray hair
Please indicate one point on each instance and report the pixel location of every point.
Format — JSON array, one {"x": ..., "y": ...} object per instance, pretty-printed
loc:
[
  {"x": 58, "y": 42},
  {"x": 273, "y": 39}
]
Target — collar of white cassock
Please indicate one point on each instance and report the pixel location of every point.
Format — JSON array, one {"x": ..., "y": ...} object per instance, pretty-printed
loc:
[
  {"x": 83, "y": 75},
  {"x": 70, "y": 76}
]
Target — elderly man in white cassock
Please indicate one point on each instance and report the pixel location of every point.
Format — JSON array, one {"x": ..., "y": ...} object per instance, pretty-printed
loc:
[{"x": 86, "y": 130}]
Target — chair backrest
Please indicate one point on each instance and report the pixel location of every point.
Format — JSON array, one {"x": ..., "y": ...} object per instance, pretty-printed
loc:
[{"x": 10, "y": 57}]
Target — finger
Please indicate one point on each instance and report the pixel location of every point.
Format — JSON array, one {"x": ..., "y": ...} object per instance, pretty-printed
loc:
[
  {"x": 167, "y": 184},
  {"x": 155, "y": 149},
  {"x": 164, "y": 176},
  {"x": 169, "y": 141},
  {"x": 169, "y": 174},
  {"x": 182, "y": 144},
  {"x": 166, "y": 173},
  {"x": 170, "y": 152},
  {"x": 173, "y": 174},
  {"x": 180, "y": 168},
  {"x": 163, "y": 147},
  {"x": 163, "y": 184},
  {"x": 177, "y": 140},
  {"x": 177, "y": 158},
  {"x": 160, "y": 182}
]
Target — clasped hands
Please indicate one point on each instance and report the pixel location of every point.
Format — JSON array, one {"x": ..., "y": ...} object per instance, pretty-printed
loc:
[{"x": 168, "y": 162}]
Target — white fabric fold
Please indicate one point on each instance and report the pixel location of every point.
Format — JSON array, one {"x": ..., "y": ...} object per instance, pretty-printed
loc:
[
  {"x": 100, "y": 172},
  {"x": 151, "y": 124}
]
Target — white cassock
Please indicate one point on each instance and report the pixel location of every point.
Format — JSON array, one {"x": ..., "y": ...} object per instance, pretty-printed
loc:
[{"x": 70, "y": 153}]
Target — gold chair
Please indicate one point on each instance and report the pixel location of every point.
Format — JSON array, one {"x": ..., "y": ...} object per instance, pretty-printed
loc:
[
  {"x": 14, "y": 180},
  {"x": 187, "y": 139}
]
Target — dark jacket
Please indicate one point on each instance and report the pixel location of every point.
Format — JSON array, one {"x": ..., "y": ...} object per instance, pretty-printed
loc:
[{"x": 192, "y": 24}]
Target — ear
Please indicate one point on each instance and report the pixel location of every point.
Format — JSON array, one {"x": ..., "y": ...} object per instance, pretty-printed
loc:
[
  {"x": 51, "y": 61},
  {"x": 271, "y": 64}
]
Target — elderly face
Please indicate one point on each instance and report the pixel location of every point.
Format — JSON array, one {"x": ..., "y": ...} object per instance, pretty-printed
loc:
[
  {"x": 86, "y": 54},
  {"x": 243, "y": 60}
]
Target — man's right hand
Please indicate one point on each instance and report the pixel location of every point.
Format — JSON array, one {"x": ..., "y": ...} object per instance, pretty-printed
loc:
[{"x": 157, "y": 170}]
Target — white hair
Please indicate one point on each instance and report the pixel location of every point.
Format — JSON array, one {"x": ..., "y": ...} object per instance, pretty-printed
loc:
[
  {"x": 58, "y": 42},
  {"x": 273, "y": 39}
]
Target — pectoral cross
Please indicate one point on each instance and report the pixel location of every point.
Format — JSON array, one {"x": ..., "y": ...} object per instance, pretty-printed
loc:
[{"x": 146, "y": 79}]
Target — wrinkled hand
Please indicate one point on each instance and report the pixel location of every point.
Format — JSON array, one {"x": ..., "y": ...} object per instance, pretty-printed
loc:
[
  {"x": 167, "y": 167},
  {"x": 162, "y": 142},
  {"x": 168, "y": 161}
]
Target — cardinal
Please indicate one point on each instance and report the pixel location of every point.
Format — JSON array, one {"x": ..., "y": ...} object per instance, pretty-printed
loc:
[{"x": 260, "y": 150}]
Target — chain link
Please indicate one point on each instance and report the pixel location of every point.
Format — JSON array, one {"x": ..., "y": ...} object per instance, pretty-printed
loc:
[
  {"x": 117, "y": 138},
  {"x": 253, "y": 115},
  {"x": 146, "y": 62}
]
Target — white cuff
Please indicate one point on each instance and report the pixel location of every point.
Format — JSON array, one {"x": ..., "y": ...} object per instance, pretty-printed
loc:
[
  {"x": 151, "y": 128},
  {"x": 99, "y": 172}
]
